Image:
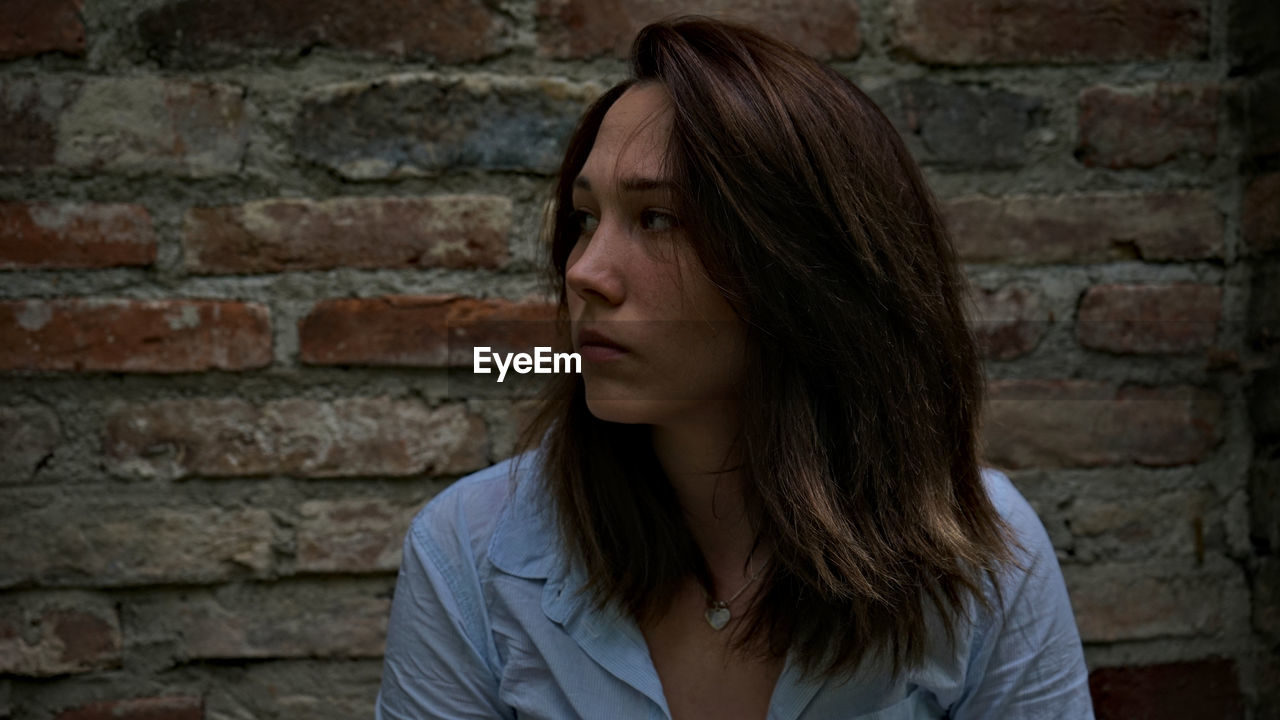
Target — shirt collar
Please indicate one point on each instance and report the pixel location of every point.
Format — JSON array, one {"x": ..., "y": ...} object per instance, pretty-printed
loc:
[
  {"x": 525, "y": 544},
  {"x": 526, "y": 538}
]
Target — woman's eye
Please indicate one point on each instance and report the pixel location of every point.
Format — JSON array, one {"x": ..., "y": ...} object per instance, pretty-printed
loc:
[
  {"x": 658, "y": 221},
  {"x": 583, "y": 221}
]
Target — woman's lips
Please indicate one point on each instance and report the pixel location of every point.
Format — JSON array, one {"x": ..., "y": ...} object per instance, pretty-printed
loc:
[
  {"x": 597, "y": 353},
  {"x": 594, "y": 346}
]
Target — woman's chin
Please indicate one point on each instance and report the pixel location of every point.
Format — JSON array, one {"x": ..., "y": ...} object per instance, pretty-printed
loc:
[{"x": 629, "y": 410}]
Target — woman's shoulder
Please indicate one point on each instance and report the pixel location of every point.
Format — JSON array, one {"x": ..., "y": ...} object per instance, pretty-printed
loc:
[
  {"x": 1009, "y": 502},
  {"x": 493, "y": 516},
  {"x": 1032, "y": 540}
]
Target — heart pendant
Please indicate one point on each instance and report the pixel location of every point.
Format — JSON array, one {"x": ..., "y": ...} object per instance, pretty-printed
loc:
[{"x": 718, "y": 617}]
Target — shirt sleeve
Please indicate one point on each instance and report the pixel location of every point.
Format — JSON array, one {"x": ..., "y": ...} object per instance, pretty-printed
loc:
[
  {"x": 1027, "y": 662},
  {"x": 436, "y": 665}
]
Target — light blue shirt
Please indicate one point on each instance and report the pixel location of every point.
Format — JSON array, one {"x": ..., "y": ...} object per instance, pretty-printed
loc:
[{"x": 486, "y": 624}]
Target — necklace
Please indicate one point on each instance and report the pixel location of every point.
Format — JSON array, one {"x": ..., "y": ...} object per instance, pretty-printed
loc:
[{"x": 718, "y": 614}]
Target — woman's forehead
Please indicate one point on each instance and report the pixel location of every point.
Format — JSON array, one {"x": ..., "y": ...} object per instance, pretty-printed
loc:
[{"x": 632, "y": 138}]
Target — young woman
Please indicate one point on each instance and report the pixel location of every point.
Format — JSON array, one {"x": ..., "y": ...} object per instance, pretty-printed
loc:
[{"x": 761, "y": 497}]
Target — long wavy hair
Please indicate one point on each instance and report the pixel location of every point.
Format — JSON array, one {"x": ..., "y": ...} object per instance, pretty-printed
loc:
[{"x": 863, "y": 384}]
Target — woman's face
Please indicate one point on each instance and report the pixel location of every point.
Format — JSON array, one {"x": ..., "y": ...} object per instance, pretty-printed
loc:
[{"x": 659, "y": 343}]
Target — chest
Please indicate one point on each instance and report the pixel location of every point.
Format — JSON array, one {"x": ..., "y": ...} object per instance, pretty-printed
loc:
[{"x": 702, "y": 676}]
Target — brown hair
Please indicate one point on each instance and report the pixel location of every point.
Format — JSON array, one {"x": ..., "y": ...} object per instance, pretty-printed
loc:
[{"x": 862, "y": 386}]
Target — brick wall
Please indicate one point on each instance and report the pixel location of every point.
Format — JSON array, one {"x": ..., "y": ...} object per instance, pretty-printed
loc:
[{"x": 235, "y": 237}]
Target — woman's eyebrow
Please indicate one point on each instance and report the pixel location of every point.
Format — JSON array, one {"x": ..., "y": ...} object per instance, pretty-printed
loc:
[{"x": 630, "y": 184}]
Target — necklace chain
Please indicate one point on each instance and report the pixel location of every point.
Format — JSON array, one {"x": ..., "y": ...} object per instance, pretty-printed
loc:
[{"x": 718, "y": 614}]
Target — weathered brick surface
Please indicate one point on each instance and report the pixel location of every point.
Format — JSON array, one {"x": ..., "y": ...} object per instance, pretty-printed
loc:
[
  {"x": 280, "y": 620},
  {"x": 424, "y": 124},
  {"x": 1251, "y": 32},
  {"x": 202, "y": 33},
  {"x": 1175, "y": 602},
  {"x": 1261, "y": 113},
  {"x": 960, "y": 126},
  {"x": 1260, "y": 216},
  {"x": 1193, "y": 690},
  {"x": 29, "y": 434},
  {"x": 962, "y": 32},
  {"x": 29, "y": 111},
  {"x": 1264, "y": 502},
  {"x": 453, "y": 231},
  {"x": 345, "y": 437},
  {"x": 307, "y": 690},
  {"x": 1264, "y": 404},
  {"x": 1172, "y": 226},
  {"x": 1139, "y": 526},
  {"x": 1009, "y": 322},
  {"x": 51, "y": 635},
  {"x": 103, "y": 544},
  {"x": 430, "y": 331},
  {"x": 350, "y": 535},
  {"x": 151, "y": 336},
  {"x": 1266, "y": 674},
  {"x": 1266, "y": 597},
  {"x": 154, "y": 125},
  {"x": 1263, "y": 319},
  {"x": 1144, "y": 127},
  {"x": 1084, "y": 423},
  {"x": 826, "y": 29},
  {"x": 177, "y": 707},
  {"x": 131, "y": 125},
  {"x": 31, "y": 27},
  {"x": 74, "y": 235},
  {"x": 1180, "y": 318}
]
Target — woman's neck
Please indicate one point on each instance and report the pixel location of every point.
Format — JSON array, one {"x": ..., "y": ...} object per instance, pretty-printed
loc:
[{"x": 699, "y": 457}]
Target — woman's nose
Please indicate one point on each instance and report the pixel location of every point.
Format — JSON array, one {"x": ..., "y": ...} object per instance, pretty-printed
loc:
[{"x": 593, "y": 271}]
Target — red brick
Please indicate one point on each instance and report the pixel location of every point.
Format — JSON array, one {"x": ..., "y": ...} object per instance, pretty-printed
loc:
[
  {"x": 1136, "y": 523},
  {"x": 1083, "y": 423},
  {"x": 390, "y": 127},
  {"x": 148, "y": 336},
  {"x": 29, "y": 112},
  {"x": 962, "y": 125},
  {"x": 29, "y": 435},
  {"x": 1175, "y": 601},
  {"x": 1009, "y": 322},
  {"x": 195, "y": 33},
  {"x": 153, "y": 708},
  {"x": 1193, "y": 690},
  {"x": 429, "y": 331},
  {"x": 75, "y": 235},
  {"x": 962, "y": 32},
  {"x": 154, "y": 125},
  {"x": 101, "y": 543},
  {"x": 353, "y": 536},
  {"x": 508, "y": 419},
  {"x": 1028, "y": 230},
  {"x": 1144, "y": 127},
  {"x": 57, "y": 635},
  {"x": 31, "y": 27},
  {"x": 142, "y": 125},
  {"x": 276, "y": 620},
  {"x": 826, "y": 29},
  {"x": 229, "y": 437},
  {"x": 453, "y": 231},
  {"x": 1181, "y": 318},
  {"x": 301, "y": 690},
  {"x": 1260, "y": 216}
]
